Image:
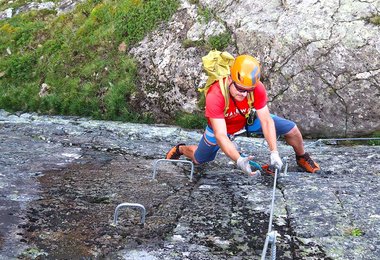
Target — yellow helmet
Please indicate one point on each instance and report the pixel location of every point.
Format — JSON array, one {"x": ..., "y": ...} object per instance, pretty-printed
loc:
[{"x": 245, "y": 71}]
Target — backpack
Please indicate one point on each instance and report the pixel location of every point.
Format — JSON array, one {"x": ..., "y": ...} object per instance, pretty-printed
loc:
[{"x": 217, "y": 65}]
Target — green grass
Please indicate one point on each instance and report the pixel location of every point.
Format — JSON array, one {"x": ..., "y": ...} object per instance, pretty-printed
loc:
[
  {"x": 191, "y": 121},
  {"x": 189, "y": 43},
  {"x": 218, "y": 42},
  {"x": 376, "y": 134},
  {"x": 205, "y": 14},
  {"x": 77, "y": 55},
  {"x": 353, "y": 231},
  {"x": 375, "y": 20}
]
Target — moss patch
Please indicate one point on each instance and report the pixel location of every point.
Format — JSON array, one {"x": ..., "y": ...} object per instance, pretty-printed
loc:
[{"x": 375, "y": 20}]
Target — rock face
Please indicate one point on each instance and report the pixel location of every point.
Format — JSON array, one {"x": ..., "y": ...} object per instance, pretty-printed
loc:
[
  {"x": 60, "y": 7},
  {"x": 320, "y": 60},
  {"x": 61, "y": 179}
]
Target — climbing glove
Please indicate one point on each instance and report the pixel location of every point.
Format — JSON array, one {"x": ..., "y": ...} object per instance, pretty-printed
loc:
[
  {"x": 275, "y": 160},
  {"x": 243, "y": 164}
]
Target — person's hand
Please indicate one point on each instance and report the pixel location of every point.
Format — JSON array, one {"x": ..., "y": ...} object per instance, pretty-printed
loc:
[
  {"x": 275, "y": 160},
  {"x": 243, "y": 164}
]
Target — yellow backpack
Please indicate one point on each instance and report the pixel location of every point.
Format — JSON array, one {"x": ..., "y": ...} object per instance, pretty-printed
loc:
[{"x": 217, "y": 67}]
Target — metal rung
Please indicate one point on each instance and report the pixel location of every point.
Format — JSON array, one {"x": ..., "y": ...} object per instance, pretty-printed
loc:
[
  {"x": 131, "y": 205},
  {"x": 171, "y": 160},
  {"x": 350, "y": 139},
  {"x": 285, "y": 173},
  {"x": 321, "y": 141}
]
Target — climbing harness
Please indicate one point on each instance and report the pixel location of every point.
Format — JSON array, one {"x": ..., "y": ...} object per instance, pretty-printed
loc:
[
  {"x": 249, "y": 117},
  {"x": 271, "y": 235}
]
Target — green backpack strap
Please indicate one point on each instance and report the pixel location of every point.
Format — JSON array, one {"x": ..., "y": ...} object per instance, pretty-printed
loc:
[{"x": 251, "y": 99}]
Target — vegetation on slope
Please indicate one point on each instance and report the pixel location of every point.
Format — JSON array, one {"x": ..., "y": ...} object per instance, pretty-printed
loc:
[{"x": 79, "y": 57}]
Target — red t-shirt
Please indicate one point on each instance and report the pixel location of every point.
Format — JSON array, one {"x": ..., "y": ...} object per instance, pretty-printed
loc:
[{"x": 234, "y": 120}]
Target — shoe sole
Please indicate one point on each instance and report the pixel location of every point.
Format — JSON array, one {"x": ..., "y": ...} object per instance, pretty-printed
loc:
[{"x": 304, "y": 170}]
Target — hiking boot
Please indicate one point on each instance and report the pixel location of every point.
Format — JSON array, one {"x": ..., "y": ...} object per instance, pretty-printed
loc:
[
  {"x": 174, "y": 153},
  {"x": 308, "y": 164}
]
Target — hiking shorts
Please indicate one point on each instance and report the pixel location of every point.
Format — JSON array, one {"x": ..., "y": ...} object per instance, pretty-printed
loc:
[
  {"x": 208, "y": 147},
  {"x": 282, "y": 125}
]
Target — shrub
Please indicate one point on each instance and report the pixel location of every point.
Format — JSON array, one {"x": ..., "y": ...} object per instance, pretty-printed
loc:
[
  {"x": 191, "y": 121},
  {"x": 220, "y": 42},
  {"x": 376, "y": 134}
]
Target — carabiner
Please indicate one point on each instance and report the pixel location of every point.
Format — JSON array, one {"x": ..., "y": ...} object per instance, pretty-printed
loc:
[{"x": 251, "y": 116}]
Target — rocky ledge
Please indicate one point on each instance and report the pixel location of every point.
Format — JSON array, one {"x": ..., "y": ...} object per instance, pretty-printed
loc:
[{"x": 61, "y": 179}]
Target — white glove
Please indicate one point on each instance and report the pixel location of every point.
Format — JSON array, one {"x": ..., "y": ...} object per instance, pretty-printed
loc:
[
  {"x": 275, "y": 160},
  {"x": 243, "y": 164}
]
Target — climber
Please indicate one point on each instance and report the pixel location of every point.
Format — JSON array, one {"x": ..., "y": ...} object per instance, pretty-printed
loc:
[{"x": 247, "y": 107}]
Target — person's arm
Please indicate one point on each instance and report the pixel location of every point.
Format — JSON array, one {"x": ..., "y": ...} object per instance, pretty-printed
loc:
[
  {"x": 269, "y": 131},
  {"x": 220, "y": 131},
  {"x": 267, "y": 124}
]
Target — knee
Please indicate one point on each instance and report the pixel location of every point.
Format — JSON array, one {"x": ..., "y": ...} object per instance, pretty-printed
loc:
[
  {"x": 293, "y": 132},
  {"x": 201, "y": 160},
  {"x": 195, "y": 161}
]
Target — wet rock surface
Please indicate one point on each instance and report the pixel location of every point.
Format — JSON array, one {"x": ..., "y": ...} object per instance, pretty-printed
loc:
[{"x": 61, "y": 179}]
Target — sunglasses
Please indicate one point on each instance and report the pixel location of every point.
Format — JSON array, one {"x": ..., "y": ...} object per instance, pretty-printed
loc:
[{"x": 240, "y": 89}]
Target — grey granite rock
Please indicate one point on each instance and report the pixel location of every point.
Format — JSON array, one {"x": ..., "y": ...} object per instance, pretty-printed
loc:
[
  {"x": 61, "y": 179},
  {"x": 320, "y": 60}
]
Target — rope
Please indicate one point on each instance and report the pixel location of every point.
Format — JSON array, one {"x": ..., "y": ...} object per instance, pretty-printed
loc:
[
  {"x": 271, "y": 235},
  {"x": 270, "y": 219}
]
